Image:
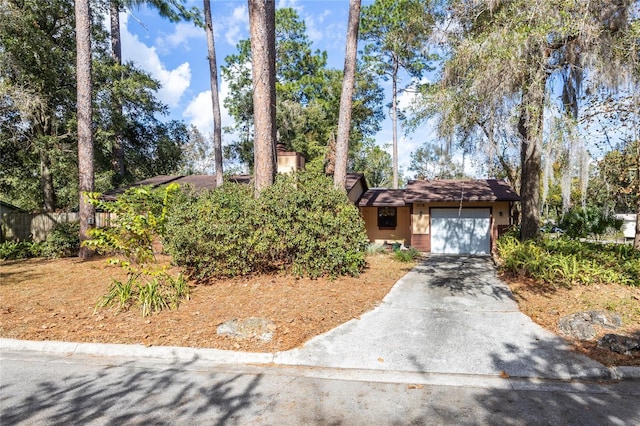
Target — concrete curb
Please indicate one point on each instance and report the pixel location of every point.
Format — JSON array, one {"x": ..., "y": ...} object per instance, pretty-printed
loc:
[
  {"x": 138, "y": 351},
  {"x": 223, "y": 357}
]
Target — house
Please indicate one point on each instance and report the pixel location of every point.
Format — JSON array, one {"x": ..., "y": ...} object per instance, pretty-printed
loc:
[
  {"x": 9, "y": 208},
  {"x": 435, "y": 216},
  {"x": 440, "y": 216},
  {"x": 6, "y": 208}
]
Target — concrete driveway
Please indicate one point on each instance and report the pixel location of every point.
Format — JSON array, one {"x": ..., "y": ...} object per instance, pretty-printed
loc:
[{"x": 449, "y": 315}]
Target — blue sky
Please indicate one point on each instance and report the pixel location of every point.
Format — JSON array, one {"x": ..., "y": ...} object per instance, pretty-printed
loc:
[{"x": 176, "y": 55}]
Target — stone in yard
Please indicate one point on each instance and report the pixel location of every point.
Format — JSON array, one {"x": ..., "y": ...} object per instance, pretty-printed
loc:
[
  {"x": 625, "y": 345},
  {"x": 257, "y": 328},
  {"x": 581, "y": 325}
]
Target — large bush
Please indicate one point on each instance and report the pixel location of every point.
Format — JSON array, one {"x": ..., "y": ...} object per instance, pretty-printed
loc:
[
  {"x": 215, "y": 233},
  {"x": 565, "y": 262},
  {"x": 586, "y": 222},
  {"x": 313, "y": 228},
  {"x": 63, "y": 240},
  {"x": 301, "y": 224}
]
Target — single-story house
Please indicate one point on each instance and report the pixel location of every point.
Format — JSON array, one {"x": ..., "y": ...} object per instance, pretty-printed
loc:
[
  {"x": 440, "y": 216},
  {"x": 9, "y": 208},
  {"x": 436, "y": 216}
]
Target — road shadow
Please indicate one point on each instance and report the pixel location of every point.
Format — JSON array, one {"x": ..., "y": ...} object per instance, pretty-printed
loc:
[
  {"x": 464, "y": 275},
  {"x": 536, "y": 400},
  {"x": 129, "y": 394}
]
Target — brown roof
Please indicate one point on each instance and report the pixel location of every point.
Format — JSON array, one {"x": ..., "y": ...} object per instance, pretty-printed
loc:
[
  {"x": 382, "y": 197},
  {"x": 456, "y": 190},
  {"x": 198, "y": 182},
  {"x": 352, "y": 179}
]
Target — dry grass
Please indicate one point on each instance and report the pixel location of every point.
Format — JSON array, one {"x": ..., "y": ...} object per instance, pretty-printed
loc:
[
  {"x": 55, "y": 300},
  {"x": 547, "y": 304}
]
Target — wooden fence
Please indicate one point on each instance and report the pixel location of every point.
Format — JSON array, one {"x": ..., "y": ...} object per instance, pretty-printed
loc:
[{"x": 35, "y": 227}]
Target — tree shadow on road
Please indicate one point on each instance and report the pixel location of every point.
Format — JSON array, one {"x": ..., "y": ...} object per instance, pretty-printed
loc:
[
  {"x": 541, "y": 397},
  {"x": 464, "y": 275},
  {"x": 129, "y": 394}
]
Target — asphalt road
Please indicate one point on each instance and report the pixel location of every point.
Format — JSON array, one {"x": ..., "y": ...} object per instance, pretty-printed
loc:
[{"x": 39, "y": 388}]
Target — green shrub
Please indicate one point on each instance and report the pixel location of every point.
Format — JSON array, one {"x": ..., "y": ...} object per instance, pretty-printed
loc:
[
  {"x": 140, "y": 215},
  {"x": 214, "y": 233},
  {"x": 312, "y": 227},
  {"x": 15, "y": 250},
  {"x": 63, "y": 240},
  {"x": 406, "y": 255},
  {"x": 588, "y": 222},
  {"x": 300, "y": 224},
  {"x": 565, "y": 262}
]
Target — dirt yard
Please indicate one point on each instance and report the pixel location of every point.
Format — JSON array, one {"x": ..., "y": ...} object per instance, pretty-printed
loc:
[{"x": 55, "y": 300}]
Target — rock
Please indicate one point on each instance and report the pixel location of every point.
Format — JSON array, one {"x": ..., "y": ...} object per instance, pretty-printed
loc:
[
  {"x": 625, "y": 345},
  {"x": 250, "y": 328},
  {"x": 606, "y": 319},
  {"x": 581, "y": 325}
]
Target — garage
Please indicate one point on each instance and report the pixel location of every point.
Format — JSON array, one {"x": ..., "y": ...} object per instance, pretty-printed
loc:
[{"x": 461, "y": 231}]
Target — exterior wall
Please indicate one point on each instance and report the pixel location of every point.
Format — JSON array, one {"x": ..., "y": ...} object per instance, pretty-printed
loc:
[
  {"x": 356, "y": 191},
  {"x": 289, "y": 162},
  {"x": 401, "y": 234},
  {"x": 421, "y": 220}
]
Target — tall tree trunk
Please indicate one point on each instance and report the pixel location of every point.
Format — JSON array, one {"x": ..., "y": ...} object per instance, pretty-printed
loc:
[
  {"x": 117, "y": 151},
  {"x": 636, "y": 241},
  {"x": 85, "y": 137},
  {"x": 394, "y": 122},
  {"x": 46, "y": 181},
  {"x": 215, "y": 100},
  {"x": 346, "y": 97},
  {"x": 262, "y": 23},
  {"x": 530, "y": 130}
]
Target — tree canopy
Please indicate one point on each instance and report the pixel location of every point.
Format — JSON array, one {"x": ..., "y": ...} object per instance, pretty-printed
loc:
[
  {"x": 38, "y": 135},
  {"x": 307, "y": 93}
]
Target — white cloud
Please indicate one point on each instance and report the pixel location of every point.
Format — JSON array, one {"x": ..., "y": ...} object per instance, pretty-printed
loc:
[
  {"x": 199, "y": 112},
  {"x": 238, "y": 25},
  {"x": 174, "y": 82},
  {"x": 183, "y": 32}
]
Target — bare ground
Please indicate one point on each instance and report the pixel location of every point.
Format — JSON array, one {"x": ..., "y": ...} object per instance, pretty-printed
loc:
[{"x": 44, "y": 299}]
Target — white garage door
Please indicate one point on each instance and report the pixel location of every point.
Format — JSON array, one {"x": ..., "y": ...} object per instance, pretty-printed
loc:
[{"x": 460, "y": 231}]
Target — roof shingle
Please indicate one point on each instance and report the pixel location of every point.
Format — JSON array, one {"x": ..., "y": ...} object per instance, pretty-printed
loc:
[{"x": 456, "y": 190}]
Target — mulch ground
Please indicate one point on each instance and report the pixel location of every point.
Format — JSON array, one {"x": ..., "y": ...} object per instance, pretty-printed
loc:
[{"x": 44, "y": 299}]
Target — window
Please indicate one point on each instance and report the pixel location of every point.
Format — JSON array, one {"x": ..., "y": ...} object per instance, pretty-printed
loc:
[{"x": 387, "y": 217}]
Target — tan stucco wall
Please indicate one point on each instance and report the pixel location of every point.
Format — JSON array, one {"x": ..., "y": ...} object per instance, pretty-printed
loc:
[
  {"x": 401, "y": 234},
  {"x": 356, "y": 191},
  {"x": 290, "y": 162}
]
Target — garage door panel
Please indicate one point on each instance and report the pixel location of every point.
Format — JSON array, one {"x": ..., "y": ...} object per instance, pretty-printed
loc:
[{"x": 465, "y": 231}]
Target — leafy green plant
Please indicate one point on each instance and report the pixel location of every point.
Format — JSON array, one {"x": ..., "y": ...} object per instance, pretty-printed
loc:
[
  {"x": 120, "y": 294},
  {"x": 63, "y": 240},
  {"x": 151, "y": 293},
  {"x": 588, "y": 222},
  {"x": 140, "y": 216},
  {"x": 406, "y": 255},
  {"x": 301, "y": 224},
  {"x": 566, "y": 262},
  {"x": 16, "y": 250}
]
